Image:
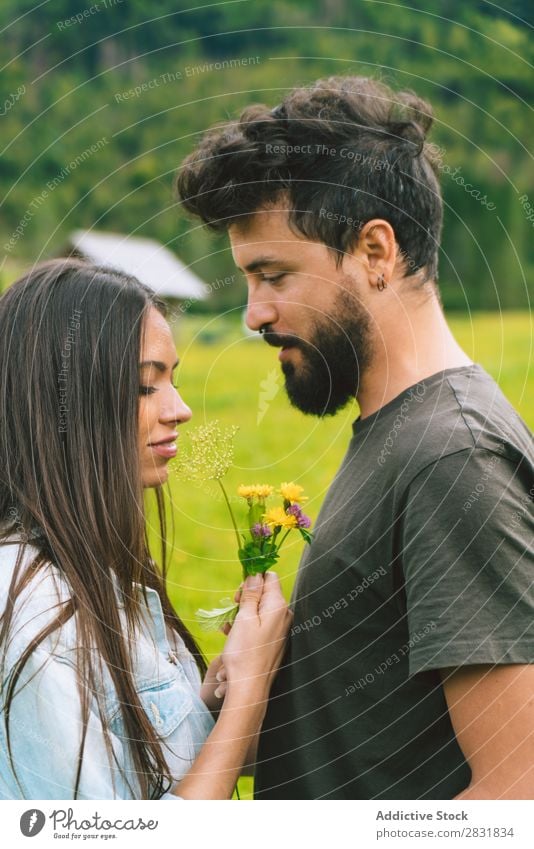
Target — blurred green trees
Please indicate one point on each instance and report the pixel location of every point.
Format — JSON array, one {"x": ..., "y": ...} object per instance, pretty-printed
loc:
[{"x": 471, "y": 60}]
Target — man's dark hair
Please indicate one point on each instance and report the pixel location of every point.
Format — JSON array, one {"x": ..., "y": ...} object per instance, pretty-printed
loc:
[{"x": 342, "y": 151}]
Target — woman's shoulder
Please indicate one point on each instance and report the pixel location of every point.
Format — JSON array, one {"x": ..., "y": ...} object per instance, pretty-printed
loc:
[{"x": 38, "y": 601}]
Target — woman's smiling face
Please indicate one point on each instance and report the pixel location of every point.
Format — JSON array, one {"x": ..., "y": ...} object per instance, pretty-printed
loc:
[{"x": 161, "y": 408}]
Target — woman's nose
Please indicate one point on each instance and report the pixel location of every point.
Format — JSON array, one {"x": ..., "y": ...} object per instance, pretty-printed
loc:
[{"x": 179, "y": 411}]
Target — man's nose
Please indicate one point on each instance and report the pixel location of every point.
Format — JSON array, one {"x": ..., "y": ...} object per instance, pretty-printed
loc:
[{"x": 260, "y": 312}]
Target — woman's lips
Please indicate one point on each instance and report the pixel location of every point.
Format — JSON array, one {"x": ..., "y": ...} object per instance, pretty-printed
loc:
[{"x": 165, "y": 449}]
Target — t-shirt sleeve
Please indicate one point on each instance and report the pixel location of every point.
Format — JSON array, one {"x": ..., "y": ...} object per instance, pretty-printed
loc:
[{"x": 467, "y": 534}]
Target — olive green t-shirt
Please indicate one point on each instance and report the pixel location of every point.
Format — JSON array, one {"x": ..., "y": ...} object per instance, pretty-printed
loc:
[{"x": 421, "y": 561}]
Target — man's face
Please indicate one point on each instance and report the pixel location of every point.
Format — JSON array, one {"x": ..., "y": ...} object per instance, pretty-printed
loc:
[{"x": 306, "y": 306}]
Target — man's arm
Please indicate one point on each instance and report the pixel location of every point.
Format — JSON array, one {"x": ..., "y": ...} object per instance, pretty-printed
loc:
[{"x": 492, "y": 713}]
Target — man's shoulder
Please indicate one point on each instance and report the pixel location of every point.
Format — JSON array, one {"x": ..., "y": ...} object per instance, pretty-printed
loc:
[{"x": 463, "y": 410}]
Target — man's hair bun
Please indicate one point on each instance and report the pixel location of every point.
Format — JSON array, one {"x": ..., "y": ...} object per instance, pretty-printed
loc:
[
  {"x": 413, "y": 120},
  {"x": 409, "y": 132}
]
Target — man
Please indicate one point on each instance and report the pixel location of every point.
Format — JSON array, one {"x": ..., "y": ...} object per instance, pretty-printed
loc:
[{"x": 408, "y": 672}]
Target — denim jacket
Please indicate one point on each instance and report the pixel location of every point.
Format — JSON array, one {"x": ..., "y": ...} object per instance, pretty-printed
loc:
[{"x": 45, "y": 718}]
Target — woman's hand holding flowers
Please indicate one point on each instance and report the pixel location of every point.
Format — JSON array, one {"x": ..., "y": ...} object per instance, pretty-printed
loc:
[{"x": 256, "y": 642}]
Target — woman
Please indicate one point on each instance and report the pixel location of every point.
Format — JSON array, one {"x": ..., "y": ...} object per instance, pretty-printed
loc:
[{"x": 101, "y": 693}]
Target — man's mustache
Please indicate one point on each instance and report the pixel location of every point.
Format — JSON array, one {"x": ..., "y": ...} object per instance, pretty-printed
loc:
[{"x": 279, "y": 340}]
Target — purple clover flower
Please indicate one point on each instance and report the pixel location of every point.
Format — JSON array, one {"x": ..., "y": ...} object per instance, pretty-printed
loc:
[
  {"x": 261, "y": 531},
  {"x": 295, "y": 510}
]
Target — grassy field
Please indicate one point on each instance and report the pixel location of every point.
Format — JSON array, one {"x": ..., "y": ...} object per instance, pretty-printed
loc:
[{"x": 237, "y": 380}]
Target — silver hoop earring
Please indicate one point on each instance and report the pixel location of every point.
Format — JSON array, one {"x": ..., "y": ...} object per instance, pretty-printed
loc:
[{"x": 381, "y": 283}]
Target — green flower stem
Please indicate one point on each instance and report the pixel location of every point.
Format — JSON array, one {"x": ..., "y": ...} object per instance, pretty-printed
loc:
[
  {"x": 231, "y": 513},
  {"x": 280, "y": 544},
  {"x": 273, "y": 540}
]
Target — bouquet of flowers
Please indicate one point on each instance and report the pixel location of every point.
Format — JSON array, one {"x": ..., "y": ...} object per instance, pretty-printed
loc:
[{"x": 208, "y": 457}]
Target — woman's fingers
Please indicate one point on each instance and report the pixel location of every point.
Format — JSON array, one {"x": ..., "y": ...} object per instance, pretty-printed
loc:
[
  {"x": 251, "y": 595},
  {"x": 220, "y": 692},
  {"x": 256, "y": 642},
  {"x": 272, "y": 597}
]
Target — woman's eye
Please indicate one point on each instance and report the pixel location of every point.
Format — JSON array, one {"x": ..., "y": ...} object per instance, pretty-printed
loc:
[{"x": 146, "y": 390}]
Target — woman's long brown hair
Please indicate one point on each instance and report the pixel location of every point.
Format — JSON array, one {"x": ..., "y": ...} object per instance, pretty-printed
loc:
[{"x": 70, "y": 480}]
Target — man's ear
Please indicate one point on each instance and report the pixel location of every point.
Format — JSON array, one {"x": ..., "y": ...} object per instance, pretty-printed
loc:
[{"x": 376, "y": 252}]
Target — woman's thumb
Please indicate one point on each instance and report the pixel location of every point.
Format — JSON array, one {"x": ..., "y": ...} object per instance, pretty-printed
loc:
[{"x": 251, "y": 592}]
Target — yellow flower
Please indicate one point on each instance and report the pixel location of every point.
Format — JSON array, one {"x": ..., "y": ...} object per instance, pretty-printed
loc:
[
  {"x": 263, "y": 490},
  {"x": 257, "y": 490},
  {"x": 245, "y": 491},
  {"x": 293, "y": 492},
  {"x": 277, "y": 517}
]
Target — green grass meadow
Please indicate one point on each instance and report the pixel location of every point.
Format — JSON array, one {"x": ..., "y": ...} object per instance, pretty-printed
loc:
[{"x": 226, "y": 376}]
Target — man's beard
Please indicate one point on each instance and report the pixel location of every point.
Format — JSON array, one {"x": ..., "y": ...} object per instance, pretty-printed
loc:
[{"x": 333, "y": 360}]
